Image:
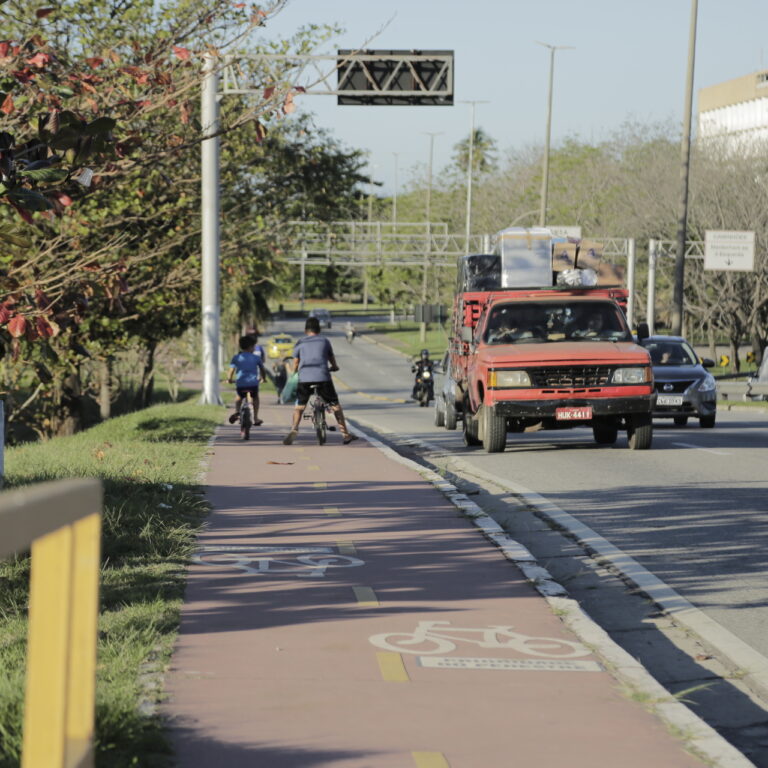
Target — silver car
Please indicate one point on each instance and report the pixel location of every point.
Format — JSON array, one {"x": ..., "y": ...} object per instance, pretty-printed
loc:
[
  {"x": 446, "y": 414},
  {"x": 323, "y": 316},
  {"x": 684, "y": 388}
]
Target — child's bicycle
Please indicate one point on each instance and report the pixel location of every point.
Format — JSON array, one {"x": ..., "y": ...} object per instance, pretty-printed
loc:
[
  {"x": 316, "y": 410},
  {"x": 246, "y": 416}
]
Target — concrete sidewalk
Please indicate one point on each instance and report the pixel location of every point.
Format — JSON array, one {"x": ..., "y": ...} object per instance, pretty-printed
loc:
[{"x": 343, "y": 613}]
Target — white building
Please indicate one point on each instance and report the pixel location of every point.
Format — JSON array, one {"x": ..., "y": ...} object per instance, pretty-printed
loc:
[{"x": 736, "y": 109}]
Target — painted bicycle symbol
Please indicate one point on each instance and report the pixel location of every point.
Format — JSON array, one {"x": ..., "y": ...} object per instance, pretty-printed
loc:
[
  {"x": 304, "y": 562},
  {"x": 431, "y": 637}
]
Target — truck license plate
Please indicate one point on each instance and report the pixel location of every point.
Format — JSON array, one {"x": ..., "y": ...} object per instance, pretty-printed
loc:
[
  {"x": 669, "y": 400},
  {"x": 573, "y": 414}
]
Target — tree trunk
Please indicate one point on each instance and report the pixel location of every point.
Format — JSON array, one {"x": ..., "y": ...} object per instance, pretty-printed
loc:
[
  {"x": 69, "y": 417},
  {"x": 147, "y": 383},
  {"x": 711, "y": 340},
  {"x": 734, "y": 349},
  {"x": 105, "y": 387}
]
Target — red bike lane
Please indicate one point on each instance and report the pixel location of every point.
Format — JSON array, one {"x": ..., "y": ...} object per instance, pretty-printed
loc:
[{"x": 341, "y": 612}]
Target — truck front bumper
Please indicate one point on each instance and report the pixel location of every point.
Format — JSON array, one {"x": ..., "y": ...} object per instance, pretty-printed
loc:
[{"x": 601, "y": 407}]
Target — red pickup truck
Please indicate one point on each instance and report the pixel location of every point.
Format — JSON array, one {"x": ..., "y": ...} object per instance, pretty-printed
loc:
[{"x": 548, "y": 358}]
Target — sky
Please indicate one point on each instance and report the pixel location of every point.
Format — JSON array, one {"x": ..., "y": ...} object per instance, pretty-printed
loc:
[{"x": 628, "y": 63}]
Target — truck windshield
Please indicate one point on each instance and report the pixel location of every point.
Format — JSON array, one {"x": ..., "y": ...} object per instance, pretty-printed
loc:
[{"x": 527, "y": 322}]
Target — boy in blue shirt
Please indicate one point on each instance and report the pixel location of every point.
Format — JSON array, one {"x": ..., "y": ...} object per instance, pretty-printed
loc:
[{"x": 248, "y": 366}]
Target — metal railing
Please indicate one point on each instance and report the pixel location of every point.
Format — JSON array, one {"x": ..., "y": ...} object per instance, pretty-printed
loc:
[{"x": 61, "y": 522}]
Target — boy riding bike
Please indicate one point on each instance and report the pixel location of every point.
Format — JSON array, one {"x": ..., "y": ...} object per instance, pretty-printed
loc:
[
  {"x": 247, "y": 369},
  {"x": 314, "y": 362}
]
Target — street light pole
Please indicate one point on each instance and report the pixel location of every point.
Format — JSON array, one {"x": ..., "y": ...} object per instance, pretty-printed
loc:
[
  {"x": 470, "y": 169},
  {"x": 545, "y": 167},
  {"x": 685, "y": 166},
  {"x": 423, "y": 324},
  {"x": 209, "y": 172},
  {"x": 394, "y": 196}
]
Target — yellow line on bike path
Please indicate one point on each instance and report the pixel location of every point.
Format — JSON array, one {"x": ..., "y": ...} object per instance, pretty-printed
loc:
[
  {"x": 332, "y": 511},
  {"x": 313, "y": 468},
  {"x": 365, "y": 596},
  {"x": 346, "y": 547},
  {"x": 346, "y": 388},
  {"x": 391, "y": 667},
  {"x": 321, "y": 484},
  {"x": 430, "y": 760}
]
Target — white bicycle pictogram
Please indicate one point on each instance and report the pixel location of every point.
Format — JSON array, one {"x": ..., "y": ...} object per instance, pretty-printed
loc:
[
  {"x": 431, "y": 637},
  {"x": 306, "y": 566}
]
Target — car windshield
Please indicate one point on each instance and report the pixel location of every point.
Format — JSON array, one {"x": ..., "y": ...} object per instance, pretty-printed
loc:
[
  {"x": 671, "y": 352},
  {"x": 526, "y": 322},
  {"x": 283, "y": 340}
]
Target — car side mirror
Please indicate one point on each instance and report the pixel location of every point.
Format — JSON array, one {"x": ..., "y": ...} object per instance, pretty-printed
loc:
[
  {"x": 643, "y": 332},
  {"x": 708, "y": 362},
  {"x": 466, "y": 334}
]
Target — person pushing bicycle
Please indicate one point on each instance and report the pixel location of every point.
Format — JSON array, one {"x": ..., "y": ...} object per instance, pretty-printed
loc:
[
  {"x": 248, "y": 368},
  {"x": 314, "y": 360}
]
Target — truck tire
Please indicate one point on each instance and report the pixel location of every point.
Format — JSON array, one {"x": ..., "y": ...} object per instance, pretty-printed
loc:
[
  {"x": 707, "y": 421},
  {"x": 439, "y": 411},
  {"x": 640, "y": 431},
  {"x": 470, "y": 428},
  {"x": 449, "y": 414},
  {"x": 494, "y": 430},
  {"x": 605, "y": 434}
]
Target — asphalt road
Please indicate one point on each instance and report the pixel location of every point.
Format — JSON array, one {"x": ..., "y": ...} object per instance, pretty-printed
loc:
[{"x": 693, "y": 510}]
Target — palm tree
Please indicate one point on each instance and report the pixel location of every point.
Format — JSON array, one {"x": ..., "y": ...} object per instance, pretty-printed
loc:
[{"x": 483, "y": 153}]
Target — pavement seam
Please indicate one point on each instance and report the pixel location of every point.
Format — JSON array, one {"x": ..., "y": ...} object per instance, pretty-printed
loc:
[{"x": 699, "y": 736}]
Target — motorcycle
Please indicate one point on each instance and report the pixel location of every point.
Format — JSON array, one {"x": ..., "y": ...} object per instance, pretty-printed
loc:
[{"x": 424, "y": 387}]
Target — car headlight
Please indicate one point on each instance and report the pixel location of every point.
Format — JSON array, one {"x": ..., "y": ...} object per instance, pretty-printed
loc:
[
  {"x": 632, "y": 375},
  {"x": 500, "y": 379},
  {"x": 708, "y": 383}
]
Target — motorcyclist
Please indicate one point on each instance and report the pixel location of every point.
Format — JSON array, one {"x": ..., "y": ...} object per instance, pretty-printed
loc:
[
  {"x": 350, "y": 331},
  {"x": 420, "y": 367}
]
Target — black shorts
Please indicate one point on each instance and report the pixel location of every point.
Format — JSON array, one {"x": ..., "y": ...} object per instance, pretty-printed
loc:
[
  {"x": 325, "y": 388},
  {"x": 253, "y": 390}
]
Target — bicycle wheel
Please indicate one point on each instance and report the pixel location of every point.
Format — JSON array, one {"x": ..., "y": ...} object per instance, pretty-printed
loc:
[
  {"x": 404, "y": 642},
  {"x": 246, "y": 421},
  {"x": 318, "y": 418}
]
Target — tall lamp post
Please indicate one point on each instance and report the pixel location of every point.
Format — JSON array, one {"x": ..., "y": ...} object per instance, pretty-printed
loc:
[
  {"x": 427, "y": 249},
  {"x": 470, "y": 169},
  {"x": 396, "y": 155},
  {"x": 685, "y": 166},
  {"x": 545, "y": 166}
]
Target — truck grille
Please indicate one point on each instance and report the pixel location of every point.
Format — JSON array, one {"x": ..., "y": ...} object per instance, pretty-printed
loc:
[{"x": 570, "y": 376}]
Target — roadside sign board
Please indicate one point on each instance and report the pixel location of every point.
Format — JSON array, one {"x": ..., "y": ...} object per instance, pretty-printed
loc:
[
  {"x": 572, "y": 232},
  {"x": 729, "y": 250}
]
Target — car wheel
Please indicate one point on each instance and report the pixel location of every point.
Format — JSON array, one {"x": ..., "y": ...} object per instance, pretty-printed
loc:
[
  {"x": 707, "y": 422},
  {"x": 640, "y": 431},
  {"x": 449, "y": 415},
  {"x": 681, "y": 421},
  {"x": 439, "y": 412},
  {"x": 470, "y": 428},
  {"x": 494, "y": 430}
]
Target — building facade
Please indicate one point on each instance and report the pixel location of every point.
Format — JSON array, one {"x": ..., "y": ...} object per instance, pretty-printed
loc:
[{"x": 736, "y": 110}]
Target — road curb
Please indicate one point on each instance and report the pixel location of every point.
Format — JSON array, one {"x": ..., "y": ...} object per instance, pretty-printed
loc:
[{"x": 698, "y": 736}]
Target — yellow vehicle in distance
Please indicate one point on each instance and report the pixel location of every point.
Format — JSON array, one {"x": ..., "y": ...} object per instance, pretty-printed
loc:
[{"x": 280, "y": 346}]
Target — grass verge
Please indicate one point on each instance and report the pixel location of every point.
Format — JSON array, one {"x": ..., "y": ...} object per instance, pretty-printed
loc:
[
  {"x": 404, "y": 337},
  {"x": 149, "y": 462}
]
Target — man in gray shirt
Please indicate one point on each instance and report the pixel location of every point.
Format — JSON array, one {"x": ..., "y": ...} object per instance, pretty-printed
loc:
[{"x": 314, "y": 361}]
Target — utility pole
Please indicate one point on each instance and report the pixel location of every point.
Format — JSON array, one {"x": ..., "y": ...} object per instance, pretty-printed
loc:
[
  {"x": 209, "y": 117},
  {"x": 470, "y": 169},
  {"x": 685, "y": 167},
  {"x": 545, "y": 167},
  {"x": 423, "y": 324},
  {"x": 394, "y": 196}
]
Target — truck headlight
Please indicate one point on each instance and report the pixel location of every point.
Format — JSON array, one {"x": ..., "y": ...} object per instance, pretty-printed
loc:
[
  {"x": 632, "y": 375},
  {"x": 708, "y": 383},
  {"x": 501, "y": 379}
]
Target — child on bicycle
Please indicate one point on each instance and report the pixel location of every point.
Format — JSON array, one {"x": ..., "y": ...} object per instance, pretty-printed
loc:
[
  {"x": 247, "y": 370},
  {"x": 314, "y": 361}
]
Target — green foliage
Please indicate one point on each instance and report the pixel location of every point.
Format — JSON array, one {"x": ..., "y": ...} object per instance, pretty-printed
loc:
[{"x": 148, "y": 462}]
